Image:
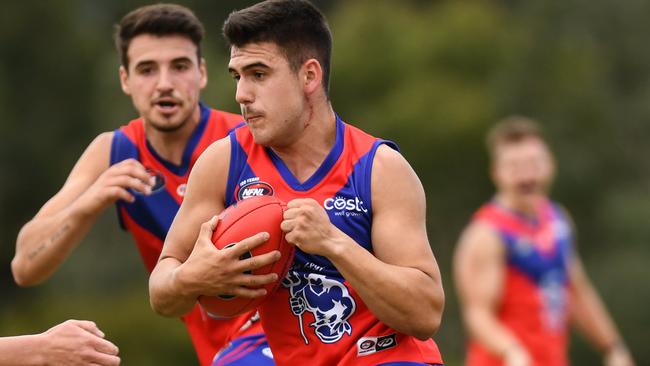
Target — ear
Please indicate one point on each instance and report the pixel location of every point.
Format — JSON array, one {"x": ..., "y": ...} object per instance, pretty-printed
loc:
[
  {"x": 124, "y": 80},
  {"x": 311, "y": 76},
  {"x": 204, "y": 73}
]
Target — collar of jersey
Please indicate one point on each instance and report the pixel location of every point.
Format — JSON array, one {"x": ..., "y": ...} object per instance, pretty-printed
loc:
[
  {"x": 531, "y": 222},
  {"x": 322, "y": 170},
  {"x": 180, "y": 170}
]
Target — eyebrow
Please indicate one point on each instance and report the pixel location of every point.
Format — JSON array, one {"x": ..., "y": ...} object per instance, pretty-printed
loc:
[
  {"x": 250, "y": 66},
  {"x": 152, "y": 62}
]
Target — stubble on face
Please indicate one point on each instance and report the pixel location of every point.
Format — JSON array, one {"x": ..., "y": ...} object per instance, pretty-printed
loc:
[
  {"x": 268, "y": 92},
  {"x": 164, "y": 80}
]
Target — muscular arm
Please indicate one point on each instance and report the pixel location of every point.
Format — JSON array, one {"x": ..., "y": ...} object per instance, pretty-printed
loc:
[
  {"x": 190, "y": 265},
  {"x": 47, "y": 240},
  {"x": 590, "y": 316},
  {"x": 479, "y": 270},
  {"x": 403, "y": 264}
]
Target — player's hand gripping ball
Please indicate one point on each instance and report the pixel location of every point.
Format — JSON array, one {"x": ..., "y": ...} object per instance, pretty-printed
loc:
[{"x": 240, "y": 221}]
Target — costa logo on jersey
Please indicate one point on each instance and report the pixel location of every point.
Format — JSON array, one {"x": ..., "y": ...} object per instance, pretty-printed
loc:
[
  {"x": 327, "y": 299},
  {"x": 253, "y": 187},
  {"x": 345, "y": 206}
]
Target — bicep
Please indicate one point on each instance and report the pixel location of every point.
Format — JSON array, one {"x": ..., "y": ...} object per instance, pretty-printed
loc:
[
  {"x": 399, "y": 233},
  {"x": 92, "y": 163},
  {"x": 479, "y": 267},
  {"x": 204, "y": 198}
]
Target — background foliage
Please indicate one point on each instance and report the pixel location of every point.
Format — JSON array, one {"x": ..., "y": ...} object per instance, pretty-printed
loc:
[{"x": 431, "y": 75}]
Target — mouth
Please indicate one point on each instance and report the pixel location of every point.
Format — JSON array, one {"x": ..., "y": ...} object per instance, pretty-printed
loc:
[
  {"x": 252, "y": 118},
  {"x": 166, "y": 105},
  {"x": 529, "y": 188}
]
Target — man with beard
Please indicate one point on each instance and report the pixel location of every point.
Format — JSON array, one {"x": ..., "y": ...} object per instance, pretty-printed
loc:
[
  {"x": 143, "y": 167},
  {"x": 518, "y": 275}
]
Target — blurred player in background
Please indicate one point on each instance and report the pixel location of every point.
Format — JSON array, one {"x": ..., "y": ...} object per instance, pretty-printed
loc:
[
  {"x": 519, "y": 277},
  {"x": 71, "y": 343},
  {"x": 365, "y": 288},
  {"x": 143, "y": 166}
]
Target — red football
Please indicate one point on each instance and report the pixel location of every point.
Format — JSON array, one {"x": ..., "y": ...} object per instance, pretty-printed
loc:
[{"x": 240, "y": 221}]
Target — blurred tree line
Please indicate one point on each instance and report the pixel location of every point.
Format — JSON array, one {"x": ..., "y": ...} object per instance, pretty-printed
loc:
[{"x": 430, "y": 75}]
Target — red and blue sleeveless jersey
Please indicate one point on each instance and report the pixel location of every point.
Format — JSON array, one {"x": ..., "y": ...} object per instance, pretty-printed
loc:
[
  {"x": 316, "y": 318},
  {"x": 148, "y": 218},
  {"x": 534, "y": 304}
]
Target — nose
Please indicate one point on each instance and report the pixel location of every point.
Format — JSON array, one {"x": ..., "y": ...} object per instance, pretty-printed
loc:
[
  {"x": 165, "y": 82},
  {"x": 244, "y": 94}
]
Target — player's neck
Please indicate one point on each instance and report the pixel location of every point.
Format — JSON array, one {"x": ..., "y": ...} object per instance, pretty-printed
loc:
[
  {"x": 171, "y": 145},
  {"x": 305, "y": 155},
  {"x": 521, "y": 205}
]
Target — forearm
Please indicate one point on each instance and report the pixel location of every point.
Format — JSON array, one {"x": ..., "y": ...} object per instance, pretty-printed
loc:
[
  {"x": 167, "y": 294},
  {"x": 45, "y": 242},
  {"x": 21, "y": 351},
  {"x": 485, "y": 328},
  {"x": 591, "y": 317},
  {"x": 416, "y": 301}
]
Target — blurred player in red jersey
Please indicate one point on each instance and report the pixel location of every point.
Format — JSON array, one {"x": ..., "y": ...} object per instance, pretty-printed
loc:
[
  {"x": 519, "y": 277},
  {"x": 143, "y": 168},
  {"x": 364, "y": 288}
]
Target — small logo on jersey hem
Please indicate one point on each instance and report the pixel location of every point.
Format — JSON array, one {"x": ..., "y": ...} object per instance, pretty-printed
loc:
[
  {"x": 369, "y": 345},
  {"x": 253, "y": 187}
]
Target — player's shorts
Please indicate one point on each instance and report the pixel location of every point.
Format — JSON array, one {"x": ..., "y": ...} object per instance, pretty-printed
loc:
[{"x": 252, "y": 350}]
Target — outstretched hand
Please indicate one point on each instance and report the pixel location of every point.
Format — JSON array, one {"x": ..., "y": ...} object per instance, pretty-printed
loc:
[{"x": 78, "y": 343}]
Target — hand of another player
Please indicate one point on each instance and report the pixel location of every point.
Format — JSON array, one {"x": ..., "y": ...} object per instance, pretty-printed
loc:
[
  {"x": 517, "y": 356},
  {"x": 222, "y": 272},
  {"x": 77, "y": 343},
  {"x": 308, "y": 227},
  {"x": 618, "y": 356},
  {"x": 114, "y": 184}
]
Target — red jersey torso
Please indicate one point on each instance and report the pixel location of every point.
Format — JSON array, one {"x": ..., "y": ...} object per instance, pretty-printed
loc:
[
  {"x": 534, "y": 305},
  {"x": 316, "y": 318},
  {"x": 148, "y": 218}
]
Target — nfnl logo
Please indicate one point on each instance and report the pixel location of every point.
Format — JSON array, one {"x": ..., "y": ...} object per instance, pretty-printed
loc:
[{"x": 254, "y": 189}]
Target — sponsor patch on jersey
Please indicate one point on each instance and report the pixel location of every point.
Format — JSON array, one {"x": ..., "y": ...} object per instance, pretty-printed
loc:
[
  {"x": 253, "y": 187},
  {"x": 369, "y": 345},
  {"x": 345, "y": 206}
]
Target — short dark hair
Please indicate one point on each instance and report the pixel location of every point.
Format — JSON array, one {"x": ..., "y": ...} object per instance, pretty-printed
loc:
[
  {"x": 512, "y": 129},
  {"x": 157, "y": 20},
  {"x": 298, "y": 28}
]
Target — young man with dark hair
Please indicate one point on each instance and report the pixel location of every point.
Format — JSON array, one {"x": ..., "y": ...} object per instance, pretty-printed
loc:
[
  {"x": 518, "y": 275},
  {"x": 364, "y": 288},
  {"x": 143, "y": 166}
]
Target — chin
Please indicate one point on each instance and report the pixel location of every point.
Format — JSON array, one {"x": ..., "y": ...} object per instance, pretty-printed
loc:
[
  {"x": 260, "y": 138},
  {"x": 168, "y": 126}
]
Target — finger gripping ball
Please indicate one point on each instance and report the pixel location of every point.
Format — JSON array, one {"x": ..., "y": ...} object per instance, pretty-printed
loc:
[{"x": 240, "y": 221}]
